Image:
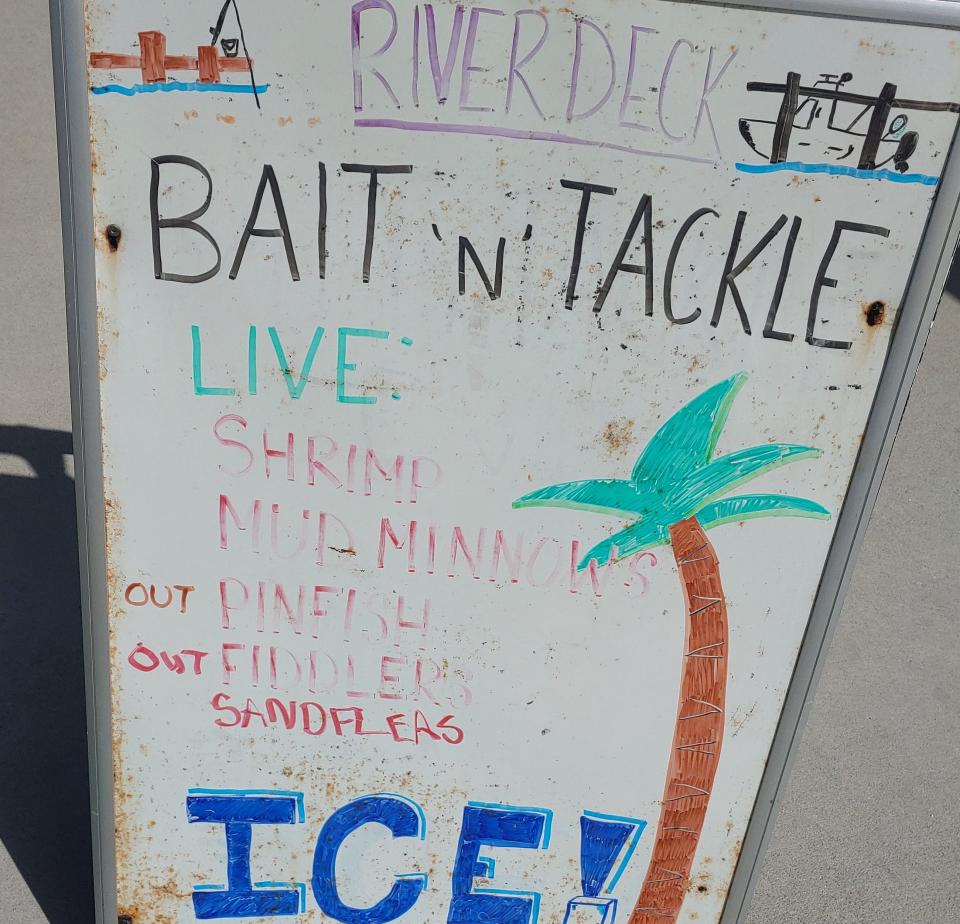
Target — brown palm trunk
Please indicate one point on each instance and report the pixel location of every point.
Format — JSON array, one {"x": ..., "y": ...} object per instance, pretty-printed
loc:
[{"x": 698, "y": 734}]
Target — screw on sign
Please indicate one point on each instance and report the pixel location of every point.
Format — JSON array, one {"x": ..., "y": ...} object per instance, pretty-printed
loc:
[{"x": 113, "y": 235}]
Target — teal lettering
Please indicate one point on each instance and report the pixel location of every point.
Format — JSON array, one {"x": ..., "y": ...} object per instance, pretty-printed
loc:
[
  {"x": 198, "y": 387},
  {"x": 252, "y": 360},
  {"x": 343, "y": 367},
  {"x": 295, "y": 388}
]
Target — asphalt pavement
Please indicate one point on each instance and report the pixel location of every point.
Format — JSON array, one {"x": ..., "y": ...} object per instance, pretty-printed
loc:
[{"x": 869, "y": 828}]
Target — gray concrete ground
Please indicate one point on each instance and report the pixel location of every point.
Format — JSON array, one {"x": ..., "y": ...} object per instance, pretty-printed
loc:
[
  {"x": 44, "y": 872},
  {"x": 869, "y": 829}
]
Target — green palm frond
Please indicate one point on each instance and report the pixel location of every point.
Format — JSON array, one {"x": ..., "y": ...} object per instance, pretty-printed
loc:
[
  {"x": 687, "y": 440},
  {"x": 677, "y": 477},
  {"x": 642, "y": 536},
  {"x": 598, "y": 495},
  {"x": 636, "y": 538},
  {"x": 751, "y": 506},
  {"x": 728, "y": 472}
]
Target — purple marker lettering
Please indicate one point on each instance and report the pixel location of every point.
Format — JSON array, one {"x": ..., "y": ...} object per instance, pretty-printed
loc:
[
  {"x": 467, "y": 66},
  {"x": 708, "y": 87},
  {"x": 358, "y": 60},
  {"x": 628, "y": 96},
  {"x": 663, "y": 87},
  {"x": 575, "y": 72},
  {"x": 523, "y": 134},
  {"x": 441, "y": 78},
  {"x": 516, "y": 65}
]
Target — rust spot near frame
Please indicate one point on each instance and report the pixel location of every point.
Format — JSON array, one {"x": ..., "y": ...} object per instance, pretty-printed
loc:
[{"x": 875, "y": 312}]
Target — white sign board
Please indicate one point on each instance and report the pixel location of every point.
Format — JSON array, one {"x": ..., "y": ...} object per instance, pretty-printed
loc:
[{"x": 478, "y": 390}]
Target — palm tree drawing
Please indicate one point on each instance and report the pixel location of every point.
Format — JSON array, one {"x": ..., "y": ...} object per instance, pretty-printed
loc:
[{"x": 674, "y": 494}]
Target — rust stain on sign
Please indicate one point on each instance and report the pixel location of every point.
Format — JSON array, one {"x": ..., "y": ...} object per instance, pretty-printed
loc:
[
  {"x": 617, "y": 436},
  {"x": 199, "y": 380},
  {"x": 875, "y": 312},
  {"x": 113, "y": 234}
]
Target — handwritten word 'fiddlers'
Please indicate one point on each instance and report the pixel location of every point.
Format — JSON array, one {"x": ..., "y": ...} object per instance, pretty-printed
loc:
[
  {"x": 312, "y": 719},
  {"x": 369, "y": 675},
  {"x": 776, "y": 238},
  {"x": 364, "y": 674},
  {"x": 317, "y": 459}
]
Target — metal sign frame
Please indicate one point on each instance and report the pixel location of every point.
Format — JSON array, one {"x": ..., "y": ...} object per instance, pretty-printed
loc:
[{"x": 917, "y": 312}]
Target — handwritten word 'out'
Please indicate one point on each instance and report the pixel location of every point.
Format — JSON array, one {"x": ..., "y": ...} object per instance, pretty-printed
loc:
[
  {"x": 146, "y": 660},
  {"x": 137, "y": 594}
]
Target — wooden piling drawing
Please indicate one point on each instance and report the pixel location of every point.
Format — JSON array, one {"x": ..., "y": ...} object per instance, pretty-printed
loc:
[{"x": 153, "y": 62}]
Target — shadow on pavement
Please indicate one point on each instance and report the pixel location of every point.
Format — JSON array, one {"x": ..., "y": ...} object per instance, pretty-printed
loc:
[{"x": 44, "y": 810}]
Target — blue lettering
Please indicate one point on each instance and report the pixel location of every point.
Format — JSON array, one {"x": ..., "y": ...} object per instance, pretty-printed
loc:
[
  {"x": 238, "y": 811},
  {"x": 402, "y": 820},
  {"x": 494, "y": 826}
]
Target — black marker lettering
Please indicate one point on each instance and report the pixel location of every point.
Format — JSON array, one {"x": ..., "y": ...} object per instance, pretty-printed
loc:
[
  {"x": 768, "y": 330},
  {"x": 374, "y": 171},
  {"x": 586, "y": 191},
  {"x": 188, "y": 220},
  {"x": 788, "y": 112},
  {"x": 322, "y": 222},
  {"x": 823, "y": 280},
  {"x": 645, "y": 211},
  {"x": 671, "y": 263},
  {"x": 730, "y": 272},
  {"x": 267, "y": 177},
  {"x": 465, "y": 248},
  {"x": 878, "y": 124}
]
